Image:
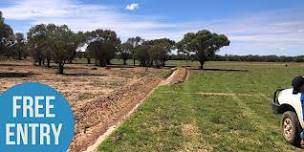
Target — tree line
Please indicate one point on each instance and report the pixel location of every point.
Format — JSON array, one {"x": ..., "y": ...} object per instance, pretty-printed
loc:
[
  {"x": 244, "y": 58},
  {"x": 259, "y": 58},
  {"x": 58, "y": 44}
]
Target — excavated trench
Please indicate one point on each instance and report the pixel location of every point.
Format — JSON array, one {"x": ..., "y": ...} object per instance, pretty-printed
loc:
[{"x": 114, "y": 109}]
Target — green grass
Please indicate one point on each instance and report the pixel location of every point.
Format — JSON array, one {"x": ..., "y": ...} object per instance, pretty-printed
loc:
[{"x": 178, "y": 118}]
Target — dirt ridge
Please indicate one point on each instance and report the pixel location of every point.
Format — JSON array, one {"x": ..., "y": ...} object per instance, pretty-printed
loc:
[{"x": 179, "y": 75}]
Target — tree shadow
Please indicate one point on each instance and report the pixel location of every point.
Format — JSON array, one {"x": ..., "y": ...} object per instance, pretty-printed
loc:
[
  {"x": 174, "y": 66},
  {"x": 220, "y": 70},
  {"x": 12, "y": 65},
  {"x": 170, "y": 66},
  {"x": 15, "y": 74},
  {"x": 84, "y": 74},
  {"x": 136, "y": 66},
  {"x": 121, "y": 66}
]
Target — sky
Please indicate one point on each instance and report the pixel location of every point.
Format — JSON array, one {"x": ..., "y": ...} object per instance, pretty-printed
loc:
[{"x": 262, "y": 27}]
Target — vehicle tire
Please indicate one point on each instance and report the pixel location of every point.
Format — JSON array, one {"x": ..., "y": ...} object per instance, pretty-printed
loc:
[{"x": 290, "y": 127}]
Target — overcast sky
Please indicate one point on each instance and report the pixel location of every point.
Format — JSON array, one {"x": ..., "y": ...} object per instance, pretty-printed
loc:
[{"x": 261, "y": 27}]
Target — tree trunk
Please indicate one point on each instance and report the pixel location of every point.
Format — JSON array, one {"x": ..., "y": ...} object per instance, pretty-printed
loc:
[
  {"x": 19, "y": 55},
  {"x": 163, "y": 63},
  {"x": 48, "y": 63},
  {"x": 134, "y": 61},
  {"x": 96, "y": 62},
  {"x": 102, "y": 63},
  {"x": 202, "y": 65},
  {"x": 124, "y": 61},
  {"x": 108, "y": 62},
  {"x": 60, "y": 68},
  {"x": 89, "y": 60},
  {"x": 39, "y": 61}
]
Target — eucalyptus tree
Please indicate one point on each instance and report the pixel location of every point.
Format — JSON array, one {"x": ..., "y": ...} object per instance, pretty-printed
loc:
[
  {"x": 20, "y": 45},
  {"x": 103, "y": 51},
  {"x": 49, "y": 43},
  {"x": 203, "y": 44},
  {"x": 79, "y": 40},
  {"x": 142, "y": 55},
  {"x": 6, "y": 35},
  {"x": 103, "y": 45},
  {"x": 134, "y": 42},
  {"x": 63, "y": 45},
  {"x": 158, "y": 55},
  {"x": 160, "y": 50},
  {"x": 38, "y": 42},
  {"x": 125, "y": 52}
]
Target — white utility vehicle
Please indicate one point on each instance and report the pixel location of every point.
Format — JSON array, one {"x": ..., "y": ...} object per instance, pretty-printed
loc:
[{"x": 288, "y": 103}]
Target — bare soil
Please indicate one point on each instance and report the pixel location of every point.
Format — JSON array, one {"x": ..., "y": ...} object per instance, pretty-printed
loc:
[
  {"x": 99, "y": 97},
  {"x": 177, "y": 76}
]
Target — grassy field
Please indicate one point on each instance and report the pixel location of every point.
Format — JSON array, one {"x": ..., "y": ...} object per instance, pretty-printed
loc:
[{"x": 220, "y": 109}]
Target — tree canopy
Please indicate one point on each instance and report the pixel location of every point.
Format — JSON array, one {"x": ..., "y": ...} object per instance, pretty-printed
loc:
[
  {"x": 6, "y": 35},
  {"x": 134, "y": 42},
  {"x": 58, "y": 44},
  {"x": 160, "y": 50},
  {"x": 142, "y": 54},
  {"x": 103, "y": 45},
  {"x": 203, "y": 44},
  {"x": 156, "y": 52},
  {"x": 20, "y": 43},
  {"x": 52, "y": 42},
  {"x": 125, "y": 52}
]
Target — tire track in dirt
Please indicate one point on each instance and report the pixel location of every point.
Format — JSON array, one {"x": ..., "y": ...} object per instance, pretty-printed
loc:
[{"x": 179, "y": 75}]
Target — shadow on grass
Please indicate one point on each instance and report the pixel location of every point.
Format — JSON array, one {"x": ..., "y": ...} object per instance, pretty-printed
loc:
[{"x": 221, "y": 70}]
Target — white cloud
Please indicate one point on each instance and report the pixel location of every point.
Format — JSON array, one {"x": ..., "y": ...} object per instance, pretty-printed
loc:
[
  {"x": 265, "y": 33},
  {"x": 132, "y": 6},
  {"x": 79, "y": 16},
  {"x": 261, "y": 33}
]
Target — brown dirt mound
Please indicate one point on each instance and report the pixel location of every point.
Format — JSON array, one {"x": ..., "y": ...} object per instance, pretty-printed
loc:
[
  {"x": 178, "y": 76},
  {"x": 96, "y": 116},
  {"x": 130, "y": 104}
]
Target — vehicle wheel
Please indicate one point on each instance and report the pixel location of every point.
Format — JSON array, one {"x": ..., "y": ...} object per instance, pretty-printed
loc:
[{"x": 291, "y": 128}]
